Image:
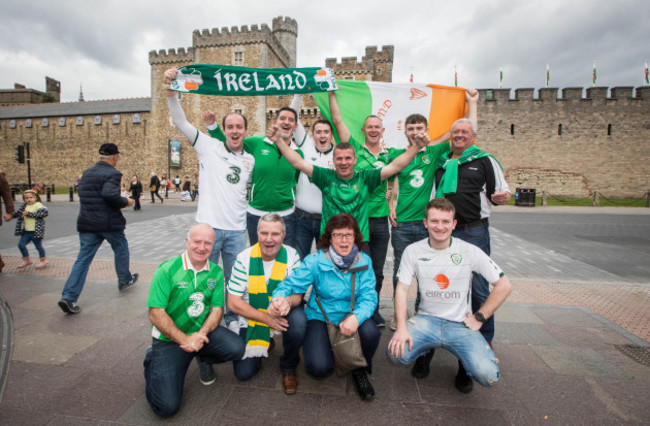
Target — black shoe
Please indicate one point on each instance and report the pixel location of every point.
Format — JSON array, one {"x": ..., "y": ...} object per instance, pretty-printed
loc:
[
  {"x": 463, "y": 382},
  {"x": 124, "y": 287},
  {"x": 378, "y": 319},
  {"x": 69, "y": 307},
  {"x": 363, "y": 385},
  {"x": 206, "y": 373},
  {"x": 420, "y": 369}
]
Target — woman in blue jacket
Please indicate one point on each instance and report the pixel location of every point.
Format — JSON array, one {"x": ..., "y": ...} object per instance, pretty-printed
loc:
[{"x": 330, "y": 272}]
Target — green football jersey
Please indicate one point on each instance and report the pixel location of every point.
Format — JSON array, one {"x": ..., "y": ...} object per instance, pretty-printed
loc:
[
  {"x": 346, "y": 195},
  {"x": 378, "y": 205},
  {"x": 416, "y": 182},
  {"x": 185, "y": 296}
]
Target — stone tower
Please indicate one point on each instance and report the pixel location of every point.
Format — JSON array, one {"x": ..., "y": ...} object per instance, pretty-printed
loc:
[
  {"x": 285, "y": 31},
  {"x": 53, "y": 88}
]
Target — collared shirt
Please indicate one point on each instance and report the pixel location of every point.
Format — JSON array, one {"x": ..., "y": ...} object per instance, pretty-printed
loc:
[{"x": 185, "y": 293}]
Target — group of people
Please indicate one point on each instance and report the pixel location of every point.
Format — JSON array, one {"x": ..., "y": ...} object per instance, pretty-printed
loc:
[
  {"x": 342, "y": 200},
  {"x": 305, "y": 189}
]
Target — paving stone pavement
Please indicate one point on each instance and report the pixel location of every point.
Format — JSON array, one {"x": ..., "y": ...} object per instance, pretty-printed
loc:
[{"x": 556, "y": 340}]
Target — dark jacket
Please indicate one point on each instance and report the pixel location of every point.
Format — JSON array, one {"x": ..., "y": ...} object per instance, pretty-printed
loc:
[
  {"x": 135, "y": 189},
  {"x": 100, "y": 200}
]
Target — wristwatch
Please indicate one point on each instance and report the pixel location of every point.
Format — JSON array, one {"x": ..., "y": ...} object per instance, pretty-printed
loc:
[{"x": 479, "y": 317}]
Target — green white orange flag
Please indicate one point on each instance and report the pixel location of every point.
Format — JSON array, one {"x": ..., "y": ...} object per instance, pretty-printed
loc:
[
  {"x": 226, "y": 80},
  {"x": 393, "y": 102}
]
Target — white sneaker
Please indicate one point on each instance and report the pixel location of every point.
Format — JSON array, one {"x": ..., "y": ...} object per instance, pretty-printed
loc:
[{"x": 393, "y": 324}]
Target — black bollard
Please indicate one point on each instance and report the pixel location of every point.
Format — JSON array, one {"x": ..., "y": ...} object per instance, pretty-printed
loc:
[
  {"x": 13, "y": 194},
  {"x": 48, "y": 195},
  {"x": 71, "y": 194}
]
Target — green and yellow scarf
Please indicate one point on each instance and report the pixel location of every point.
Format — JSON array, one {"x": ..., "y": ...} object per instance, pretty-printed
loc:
[{"x": 258, "y": 334}]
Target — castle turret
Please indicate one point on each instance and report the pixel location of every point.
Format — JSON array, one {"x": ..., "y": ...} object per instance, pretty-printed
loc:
[
  {"x": 285, "y": 31},
  {"x": 53, "y": 88}
]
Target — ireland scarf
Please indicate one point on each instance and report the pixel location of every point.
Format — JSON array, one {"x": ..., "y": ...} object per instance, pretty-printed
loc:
[
  {"x": 224, "y": 80},
  {"x": 258, "y": 334},
  {"x": 449, "y": 182},
  {"x": 392, "y": 102}
]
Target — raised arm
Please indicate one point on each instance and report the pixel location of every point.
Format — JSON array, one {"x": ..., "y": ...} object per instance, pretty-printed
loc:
[
  {"x": 300, "y": 135},
  {"x": 292, "y": 156},
  {"x": 176, "y": 111},
  {"x": 471, "y": 95},
  {"x": 403, "y": 160},
  {"x": 341, "y": 129}
]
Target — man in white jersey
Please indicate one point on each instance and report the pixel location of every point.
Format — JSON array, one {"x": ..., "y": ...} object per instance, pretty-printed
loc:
[
  {"x": 317, "y": 150},
  {"x": 225, "y": 170},
  {"x": 256, "y": 273},
  {"x": 443, "y": 267}
]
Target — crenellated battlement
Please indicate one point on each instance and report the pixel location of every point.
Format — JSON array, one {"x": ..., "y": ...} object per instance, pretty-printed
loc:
[
  {"x": 386, "y": 54},
  {"x": 568, "y": 94},
  {"x": 376, "y": 65},
  {"x": 229, "y": 36},
  {"x": 286, "y": 24},
  {"x": 171, "y": 56}
]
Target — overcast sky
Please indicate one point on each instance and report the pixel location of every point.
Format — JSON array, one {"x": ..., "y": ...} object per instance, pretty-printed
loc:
[{"x": 104, "y": 45}]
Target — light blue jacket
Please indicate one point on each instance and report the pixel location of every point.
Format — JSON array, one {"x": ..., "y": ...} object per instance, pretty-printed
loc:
[{"x": 333, "y": 287}]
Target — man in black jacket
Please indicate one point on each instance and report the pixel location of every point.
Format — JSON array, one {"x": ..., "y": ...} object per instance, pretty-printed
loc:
[{"x": 100, "y": 218}]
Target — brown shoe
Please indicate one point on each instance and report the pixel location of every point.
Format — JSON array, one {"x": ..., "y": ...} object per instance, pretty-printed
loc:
[{"x": 289, "y": 383}]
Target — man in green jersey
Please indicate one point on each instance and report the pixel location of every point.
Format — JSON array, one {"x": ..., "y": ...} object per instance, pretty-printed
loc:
[
  {"x": 185, "y": 307},
  {"x": 370, "y": 155},
  {"x": 345, "y": 190}
]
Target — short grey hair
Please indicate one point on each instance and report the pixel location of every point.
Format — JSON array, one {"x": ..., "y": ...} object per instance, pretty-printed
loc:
[
  {"x": 196, "y": 225},
  {"x": 272, "y": 217},
  {"x": 465, "y": 120},
  {"x": 104, "y": 157}
]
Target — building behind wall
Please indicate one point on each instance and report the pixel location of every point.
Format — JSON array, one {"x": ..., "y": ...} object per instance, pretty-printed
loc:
[{"x": 21, "y": 95}]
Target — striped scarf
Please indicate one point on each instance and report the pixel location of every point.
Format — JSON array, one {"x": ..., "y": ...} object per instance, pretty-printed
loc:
[{"x": 258, "y": 334}]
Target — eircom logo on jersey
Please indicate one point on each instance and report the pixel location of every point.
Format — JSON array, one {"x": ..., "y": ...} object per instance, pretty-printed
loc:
[{"x": 443, "y": 283}]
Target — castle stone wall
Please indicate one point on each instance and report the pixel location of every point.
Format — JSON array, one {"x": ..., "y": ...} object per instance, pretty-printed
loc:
[{"x": 571, "y": 145}]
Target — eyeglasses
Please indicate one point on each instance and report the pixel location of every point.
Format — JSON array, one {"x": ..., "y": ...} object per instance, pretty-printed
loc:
[{"x": 338, "y": 236}]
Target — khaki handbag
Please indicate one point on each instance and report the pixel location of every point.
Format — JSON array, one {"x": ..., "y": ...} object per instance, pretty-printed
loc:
[{"x": 347, "y": 351}]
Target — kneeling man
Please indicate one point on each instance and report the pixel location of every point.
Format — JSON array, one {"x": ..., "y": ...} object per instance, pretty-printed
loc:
[
  {"x": 443, "y": 267},
  {"x": 255, "y": 274},
  {"x": 185, "y": 307}
]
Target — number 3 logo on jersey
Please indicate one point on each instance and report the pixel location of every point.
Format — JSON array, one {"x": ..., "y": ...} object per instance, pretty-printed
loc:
[
  {"x": 197, "y": 307},
  {"x": 234, "y": 176}
]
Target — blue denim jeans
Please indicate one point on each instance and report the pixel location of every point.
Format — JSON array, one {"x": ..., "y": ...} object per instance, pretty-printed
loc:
[
  {"x": 25, "y": 239},
  {"x": 291, "y": 342},
  {"x": 89, "y": 243},
  {"x": 404, "y": 234},
  {"x": 319, "y": 361},
  {"x": 480, "y": 237},
  {"x": 289, "y": 223},
  {"x": 429, "y": 332},
  {"x": 227, "y": 244},
  {"x": 378, "y": 244},
  {"x": 307, "y": 230},
  {"x": 166, "y": 364}
]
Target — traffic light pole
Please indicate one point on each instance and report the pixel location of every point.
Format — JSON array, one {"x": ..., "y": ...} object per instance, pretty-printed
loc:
[{"x": 29, "y": 165}]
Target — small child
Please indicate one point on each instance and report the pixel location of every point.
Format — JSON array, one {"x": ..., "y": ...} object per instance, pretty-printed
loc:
[{"x": 30, "y": 226}]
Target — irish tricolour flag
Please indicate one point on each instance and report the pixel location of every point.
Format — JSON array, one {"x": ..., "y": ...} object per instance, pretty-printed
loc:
[{"x": 441, "y": 105}]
